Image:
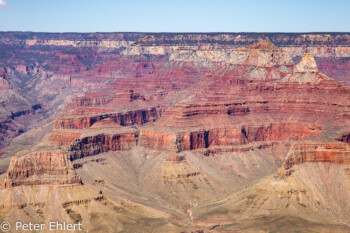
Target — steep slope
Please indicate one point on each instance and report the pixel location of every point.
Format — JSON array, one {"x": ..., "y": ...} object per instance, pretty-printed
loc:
[{"x": 312, "y": 199}]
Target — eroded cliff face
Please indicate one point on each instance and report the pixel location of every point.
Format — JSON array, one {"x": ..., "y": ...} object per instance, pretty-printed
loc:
[
  {"x": 137, "y": 117},
  {"x": 41, "y": 168},
  {"x": 338, "y": 153},
  {"x": 229, "y": 136},
  {"x": 186, "y": 118},
  {"x": 104, "y": 142}
]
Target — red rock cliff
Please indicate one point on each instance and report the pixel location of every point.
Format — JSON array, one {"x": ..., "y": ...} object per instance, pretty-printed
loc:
[{"x": 42, "y": 167}]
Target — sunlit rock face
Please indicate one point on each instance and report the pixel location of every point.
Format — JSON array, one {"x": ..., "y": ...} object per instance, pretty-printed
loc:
[
  {"x": 176, "y": 132},
  {"x": 307, "y": 64}
]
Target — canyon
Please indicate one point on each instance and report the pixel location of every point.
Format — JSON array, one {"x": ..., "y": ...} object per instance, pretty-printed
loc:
[{"x": 171, "y": 132}]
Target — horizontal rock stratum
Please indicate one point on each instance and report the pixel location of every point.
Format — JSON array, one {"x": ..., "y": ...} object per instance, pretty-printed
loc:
[{"x": 176, "y": 132}]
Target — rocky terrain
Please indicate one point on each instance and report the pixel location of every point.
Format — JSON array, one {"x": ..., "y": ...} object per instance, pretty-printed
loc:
[{"x": 135, "y": 132}]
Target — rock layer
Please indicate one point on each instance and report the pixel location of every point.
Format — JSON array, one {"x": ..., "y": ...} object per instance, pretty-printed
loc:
[
  {"x": 40, "y": 168},
  {"x": 338, "y": 153}
]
